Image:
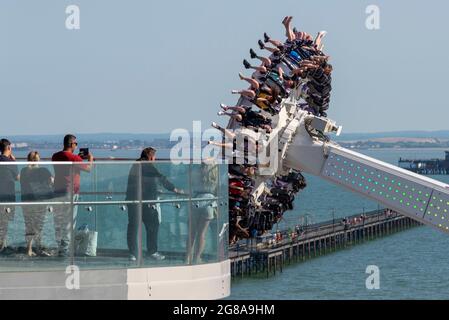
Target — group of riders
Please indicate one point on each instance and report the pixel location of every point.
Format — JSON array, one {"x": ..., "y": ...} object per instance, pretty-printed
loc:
[{"x": 299, "y": 64}]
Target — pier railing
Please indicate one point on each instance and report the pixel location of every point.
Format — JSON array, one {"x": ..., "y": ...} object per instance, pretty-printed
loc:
[
  {"x": 313, "y": 240},
  {"x": 89, "y": 215}
]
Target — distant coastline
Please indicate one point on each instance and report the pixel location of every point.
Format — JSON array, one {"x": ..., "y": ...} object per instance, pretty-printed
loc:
[{"x": 130, "y": 141}]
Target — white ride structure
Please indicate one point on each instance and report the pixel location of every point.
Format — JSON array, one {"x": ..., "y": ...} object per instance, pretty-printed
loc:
[{"x": 302, "y": 145}]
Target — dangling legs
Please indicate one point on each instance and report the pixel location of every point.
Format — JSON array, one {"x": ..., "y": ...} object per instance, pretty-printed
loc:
[
  {"x": 261, "y": 69},
  {"x": 265, "y": 61},
  {"x": 263, "y": 100},
  {"x": 235, "y": 108},
  {"x": 262, "y": 46},
  {"x": 281, "y": 73},
  {"x": 319, "y": 38},
  {"x": 253, "y": 82},
  {"x": 226, "y": 132},
  {"x": 288, "y": 30},
  {"x": 275, "y": 43},
  {"x": 246, "y": 93},
  {"x": 221, "y": 145}
]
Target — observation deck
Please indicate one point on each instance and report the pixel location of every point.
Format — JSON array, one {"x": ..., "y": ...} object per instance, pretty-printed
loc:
[{"x": 97, "y": 230}]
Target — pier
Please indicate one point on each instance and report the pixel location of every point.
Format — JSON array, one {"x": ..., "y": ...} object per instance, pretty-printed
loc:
[
  {"x": 426, "y": 167},
  {"x": 267, "y": 257}
]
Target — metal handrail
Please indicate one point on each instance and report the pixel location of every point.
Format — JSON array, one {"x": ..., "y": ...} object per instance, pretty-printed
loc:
[
  {"x": 49, "y": 203},
  {"x": 48, "y": 161}
]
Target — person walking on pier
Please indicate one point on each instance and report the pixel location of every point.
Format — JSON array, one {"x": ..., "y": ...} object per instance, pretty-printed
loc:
[
  {"x": 67, "y": 188},
  {"x": 9, "y": 174}
]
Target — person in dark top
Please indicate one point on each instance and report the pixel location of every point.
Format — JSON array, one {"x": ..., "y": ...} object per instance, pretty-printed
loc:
[
  {"x": 36, "y": 184},
  {"x": 9, "y": 174},
  {"x": 67, "y": 188},
  {"x": 150, "y": 179}
]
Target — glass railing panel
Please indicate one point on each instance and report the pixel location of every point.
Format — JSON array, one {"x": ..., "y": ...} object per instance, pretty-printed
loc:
[
  {"x": 36, "y": 216},
  {"x": 105, "y": 184},
  {"x": 223, "y": 214},
  {"x": 169, "y": 229},
  {"x": 102, "y": 220},
  {"x": 165, "y": 223},
  {"x": 204, "y": 214},
  {"x": 85, "y": 214},
  {"x": 64, "y": 203},
  {"x": 103, "y": 245}
]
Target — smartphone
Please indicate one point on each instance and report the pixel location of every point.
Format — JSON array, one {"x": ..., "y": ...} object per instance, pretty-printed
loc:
[{"x": 84, "y": 152}]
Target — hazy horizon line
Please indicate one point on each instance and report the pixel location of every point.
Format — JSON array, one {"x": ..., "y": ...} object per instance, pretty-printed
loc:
[{"x": 168, "y": 133}]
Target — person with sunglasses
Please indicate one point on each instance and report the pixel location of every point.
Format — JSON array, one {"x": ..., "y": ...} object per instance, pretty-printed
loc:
[{"x": 66, "y": 189}]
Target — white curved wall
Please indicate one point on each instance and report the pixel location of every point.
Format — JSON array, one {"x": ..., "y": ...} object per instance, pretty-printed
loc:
[{"x": 208, "y": 281}]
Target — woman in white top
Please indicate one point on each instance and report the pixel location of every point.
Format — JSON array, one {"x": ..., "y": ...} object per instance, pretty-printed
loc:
[{"x": 203, "y": 211}]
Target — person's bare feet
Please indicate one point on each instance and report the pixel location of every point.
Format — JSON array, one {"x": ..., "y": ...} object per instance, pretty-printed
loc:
[
  {"x": 241, "y": 76},
  {"x": 284, "y": 22},
  {"x": 322, "y": 34},
  {"x": 319, "y": 38}
]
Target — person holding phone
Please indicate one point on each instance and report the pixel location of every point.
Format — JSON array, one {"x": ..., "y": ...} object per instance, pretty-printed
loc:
[
  {"x": 67, "y": 184},
  {"x": 84, "y": 153}
]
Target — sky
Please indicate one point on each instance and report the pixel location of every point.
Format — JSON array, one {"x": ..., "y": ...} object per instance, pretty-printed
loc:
[{"x": 146, "y": 66}]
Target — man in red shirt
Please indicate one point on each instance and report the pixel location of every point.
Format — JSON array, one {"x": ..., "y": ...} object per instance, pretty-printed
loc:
[{"x": 67, "y": 187}]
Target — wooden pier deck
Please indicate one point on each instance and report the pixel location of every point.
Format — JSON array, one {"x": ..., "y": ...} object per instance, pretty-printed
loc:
[{"x": 314, "y": 240}]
